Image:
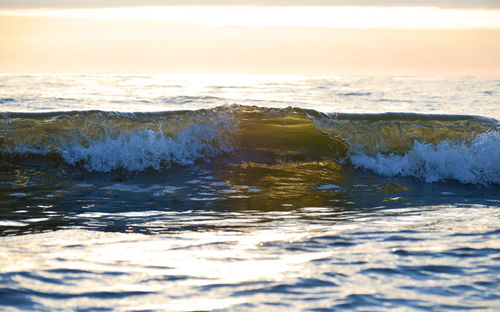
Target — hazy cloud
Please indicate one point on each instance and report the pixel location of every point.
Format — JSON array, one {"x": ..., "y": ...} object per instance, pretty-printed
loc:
[{"x": 492, "y": 4}]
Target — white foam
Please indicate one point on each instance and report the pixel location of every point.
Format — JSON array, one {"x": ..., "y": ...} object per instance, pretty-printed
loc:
[
  {"x": 477, "y": 162},
  {"x": 141, "y": 149},
  {"x": 147, "y": 148}
]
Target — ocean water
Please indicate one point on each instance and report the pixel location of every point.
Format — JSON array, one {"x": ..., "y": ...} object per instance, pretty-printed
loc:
[{"x": 249, "y": 193}]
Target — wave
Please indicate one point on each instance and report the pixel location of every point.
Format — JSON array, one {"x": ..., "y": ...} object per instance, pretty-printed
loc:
[
  {"x": 473, "y": 162},
  {"x": 104, "y": 141},
  {"x": 429, "y": 147}
]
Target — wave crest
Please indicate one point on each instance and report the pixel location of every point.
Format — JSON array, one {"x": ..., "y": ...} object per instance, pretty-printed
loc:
[
  {"x": 428, "y": 147},
  {"x": 106, "y": 141},
  {"x": 468, "y": 162}
]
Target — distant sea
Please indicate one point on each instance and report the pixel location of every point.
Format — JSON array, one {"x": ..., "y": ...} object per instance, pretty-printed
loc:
[{"x": 249, "y": 193}]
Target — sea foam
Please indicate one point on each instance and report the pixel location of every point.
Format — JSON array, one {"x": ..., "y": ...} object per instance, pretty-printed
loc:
[
  {"x": 138, "y": 149},
  {"x": 475, "y": 162},
  {"x": 429, "y": 147},
  {"x": 144, "y": 149}
]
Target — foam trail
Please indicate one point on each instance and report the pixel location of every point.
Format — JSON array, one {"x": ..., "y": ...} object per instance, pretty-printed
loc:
[{"x": 476, "y": 162}]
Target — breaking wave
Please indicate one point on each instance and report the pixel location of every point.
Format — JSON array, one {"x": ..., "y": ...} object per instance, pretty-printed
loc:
[
  {"x": 428, "y": 147},
  {"x": 472, "y": 162}
]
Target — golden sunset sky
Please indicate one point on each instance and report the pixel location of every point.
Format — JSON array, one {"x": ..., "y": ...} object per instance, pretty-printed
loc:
[{"x": 268, "y": 37}]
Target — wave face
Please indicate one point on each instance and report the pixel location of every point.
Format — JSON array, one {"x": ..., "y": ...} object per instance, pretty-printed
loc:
[
  {"x": 429, "y": 147},
  {"x": 104, "y": 141}
]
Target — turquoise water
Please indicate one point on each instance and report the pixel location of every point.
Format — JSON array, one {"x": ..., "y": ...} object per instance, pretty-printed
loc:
[{"x": 249, "y": 193}]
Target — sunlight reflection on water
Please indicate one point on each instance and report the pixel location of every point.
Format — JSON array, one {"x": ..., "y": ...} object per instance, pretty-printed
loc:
[
  {"x": 44, "y": 92},
  {"x": 225, "y": 270}
]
